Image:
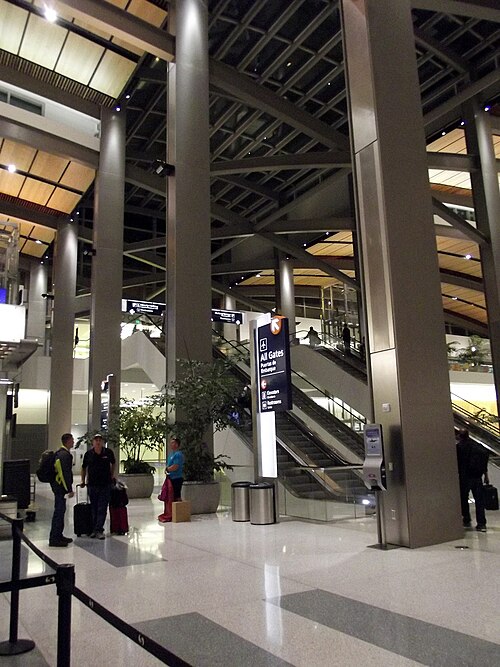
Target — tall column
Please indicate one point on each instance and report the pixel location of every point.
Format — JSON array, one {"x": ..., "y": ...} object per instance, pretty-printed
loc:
[
  {"x": 410, "y": 383},
  {"x": 230, "y": 331},
  {"x": 63, "y": 322},
  {"x": 287, "y": 294},
  {"x": 486, "y": 199},
  {"x": 107, "y": 261},
  {"x": 188, "y": 191},
  {"x": 37, "y": 304}
]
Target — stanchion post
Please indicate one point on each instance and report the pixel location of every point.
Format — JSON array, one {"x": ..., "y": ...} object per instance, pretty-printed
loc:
[
  {"x": 15, "y": 646},
  {"x": 65, "y": 582}
]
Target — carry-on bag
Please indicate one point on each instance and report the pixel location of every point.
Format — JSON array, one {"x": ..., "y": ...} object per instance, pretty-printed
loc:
[
  {"x": 82, "y": 516},
  {"x": 118, "y": 496},
  {"x": 490, "y": 497},
  {"x": 118, "y": 520}
]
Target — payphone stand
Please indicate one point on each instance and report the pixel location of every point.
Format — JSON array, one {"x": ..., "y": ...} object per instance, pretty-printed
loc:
[{"x": 374, "y": 475}]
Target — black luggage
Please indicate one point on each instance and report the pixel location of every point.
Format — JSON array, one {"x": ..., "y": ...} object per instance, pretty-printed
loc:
[
  {"x": 118, "y": 496},
  {"x": 490, "y": 497},
  {"x": 82, "y": 517}
]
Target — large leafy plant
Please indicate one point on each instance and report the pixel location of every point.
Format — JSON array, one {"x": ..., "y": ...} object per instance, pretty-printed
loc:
[
  {"x": 204, "y": 394},
  {"x": 141, "y": 428}
]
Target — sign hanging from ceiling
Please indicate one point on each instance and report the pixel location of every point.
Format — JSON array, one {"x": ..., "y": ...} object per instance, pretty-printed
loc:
[
  {"x": 135, "y": 307},
  {"x": 227, "y": 316},
  {"x": 273, "y": 365}
]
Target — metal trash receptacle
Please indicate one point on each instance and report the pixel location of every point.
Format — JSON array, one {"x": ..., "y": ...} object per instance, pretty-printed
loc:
[
  {"x": 262, "y": 503},
  {"x": 240, "y": 501},
  {"x": 16, "y": 481},
  {"x": 8, "y": 506}
]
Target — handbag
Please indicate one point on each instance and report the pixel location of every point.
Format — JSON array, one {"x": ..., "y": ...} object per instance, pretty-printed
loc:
[
  {"x": 490, "y": 497},
  {"x": 165, "y": 490}
]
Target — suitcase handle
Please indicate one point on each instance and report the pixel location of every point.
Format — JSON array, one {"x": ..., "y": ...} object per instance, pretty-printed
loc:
[{"x": 77, "y": 487}]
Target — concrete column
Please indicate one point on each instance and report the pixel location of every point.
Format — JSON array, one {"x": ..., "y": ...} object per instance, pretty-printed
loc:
[
  {"x": 409, "y": 369},
  {"x": 37, "y": 305},
  {"x": 63, "y": 321},
  {"x": 107, "y": 262},
  {"x": 486, "y": 199},
  {"x": 287, "y": 294},
  {"x": 188, "y": 191},
  {"x": 230, "y": 331}
]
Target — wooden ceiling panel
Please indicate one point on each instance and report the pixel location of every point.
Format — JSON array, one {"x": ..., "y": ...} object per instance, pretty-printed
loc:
[
  {"x": 147, "y": 12},
  {"x": 18, "y": 154},
  {"x": 332, "y": 249},
  {"x": 460, "y": 265},
  {"x": 456, "y": 179},
  {"x": 36, "y": 191},
  {"x": 12, "y": 22},
  {"x": 62, "y": 200},
  {"x": 42, "y": 41},
  {"x": 77, "y": 176},
  {"x": 10, "y": 184},
  {"x": 472, "y": 296},
  {"x": 48, "y": 166},
  {"x": 451, "y": 142},
  {"x": 112, "y": 74},
  {"x": 457, "y": 246},
  {"x": 32, "y": 248},
  {"x": 79, "y": 59}
]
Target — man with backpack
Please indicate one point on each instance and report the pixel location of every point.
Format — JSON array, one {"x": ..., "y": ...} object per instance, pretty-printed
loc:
[
  {"x": 62, "y": 486},
  {"x": 472, "y": 467}
]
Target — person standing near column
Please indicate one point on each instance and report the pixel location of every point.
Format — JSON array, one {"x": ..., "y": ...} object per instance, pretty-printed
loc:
[
  {"x": 61, "y": 486},
  {"x": 98, "y": 470},
  {"x": 171, "y": 489}
]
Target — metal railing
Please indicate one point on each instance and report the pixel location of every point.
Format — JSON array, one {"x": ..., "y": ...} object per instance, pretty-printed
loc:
[{"x": 64, "y": 579}]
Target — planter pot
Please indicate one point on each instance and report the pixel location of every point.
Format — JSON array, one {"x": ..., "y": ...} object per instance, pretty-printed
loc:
[
  {"x": 138, "y": 486},
  {"x": 204, "y": 496}
]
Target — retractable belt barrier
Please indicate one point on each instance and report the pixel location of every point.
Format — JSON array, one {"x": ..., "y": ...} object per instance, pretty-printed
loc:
[{"x": 64, "y": 579}]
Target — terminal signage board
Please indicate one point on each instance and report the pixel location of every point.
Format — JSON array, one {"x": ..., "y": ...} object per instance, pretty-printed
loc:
[
  {"x": 143, "y": 307},
  {"x": 273, "y": 364},
  {"x": 227, "y": 316}
]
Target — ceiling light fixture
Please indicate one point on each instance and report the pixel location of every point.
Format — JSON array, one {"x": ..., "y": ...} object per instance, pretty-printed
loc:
[
  {"x": 467, "y": 256},
  {"x": 118, "y": 108},
  {"x": 487, "y": 108},
  {"x": 50, "y": 14},
  {"x": 38, "y": 241},
  {"x": 11, "y": 168}
]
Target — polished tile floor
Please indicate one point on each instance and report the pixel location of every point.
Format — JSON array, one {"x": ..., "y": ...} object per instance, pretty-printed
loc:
[{"x": 299, "y": 593}]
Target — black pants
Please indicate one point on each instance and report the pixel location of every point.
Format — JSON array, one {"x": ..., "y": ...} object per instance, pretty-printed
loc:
[
  {"x": 474, "y": 484},
  {"x": 177, "y": 486}
]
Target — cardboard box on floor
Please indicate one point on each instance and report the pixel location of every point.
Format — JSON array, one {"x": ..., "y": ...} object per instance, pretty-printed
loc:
[{"x": 181, "y": 511}]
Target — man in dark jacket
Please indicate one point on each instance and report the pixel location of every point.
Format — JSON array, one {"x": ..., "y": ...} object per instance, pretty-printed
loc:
[
  {"x": 98, "y": 471},
  {"x": 472, "y": 467},
  {"x": 61, "y": 486}
]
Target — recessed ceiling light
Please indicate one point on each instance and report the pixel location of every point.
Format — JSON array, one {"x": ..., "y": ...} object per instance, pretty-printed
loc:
[
  {"x": 50, "y": 14},
  {"x": 288, "y": 64},
  {"x": 38, "y": 241},
  {"x": 11, "y": 168},
  {"x": 468, "y": 256}
]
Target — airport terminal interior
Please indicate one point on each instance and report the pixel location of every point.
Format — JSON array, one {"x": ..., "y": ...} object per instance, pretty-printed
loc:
[{"x": 203, "y": 184}]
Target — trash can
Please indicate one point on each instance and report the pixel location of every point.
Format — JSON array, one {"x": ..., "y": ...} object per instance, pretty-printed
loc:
[
  {"x": 240, "y": 501},
  {"x": 16, "y": 481},
  {"x": 8, "y": 506},
  {"x": 262, "y": 503}
]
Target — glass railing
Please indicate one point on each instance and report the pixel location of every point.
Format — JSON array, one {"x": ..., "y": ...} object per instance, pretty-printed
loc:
[{"x": 476, "y": 415}]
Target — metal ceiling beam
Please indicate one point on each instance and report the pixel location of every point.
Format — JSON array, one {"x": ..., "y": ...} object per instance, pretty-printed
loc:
[
  {"x": 451, "y": 161},
  {"x": 49, "y": 143},
  {"x": 495, "y": 124},
  {"x": 322, "y": 160},
  {"x": 452, "y": 197},
  {"x": 144, "y": 179},
  {"x": 443, "y": 52},
  {"x": 252, "y": 266},
  {"x": 45, "y": 89},
  {"x": 486, "y": 10},
  {"x": 247, "y": 184},
  {"x": 458, "y": 222},
  {"x": 18, "y": 210},
  {"x": 466, "y": 323},
  {"x": 462, "y": 96},
  {"x": 239, "y": 296},
  {"x": 314, "y": 225},
  {"x": 262, "y": 98},
  {"x": 122, "y": 24},
  {"x": 461, "y": 280},
  {"x": 148, "y": 258},
  {"x": 306, "y": 259}
]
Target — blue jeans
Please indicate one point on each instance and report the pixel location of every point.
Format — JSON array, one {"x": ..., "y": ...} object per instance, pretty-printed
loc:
[
  {"x": 99, "y": 501},
  {"x": 57, "y": 527}
]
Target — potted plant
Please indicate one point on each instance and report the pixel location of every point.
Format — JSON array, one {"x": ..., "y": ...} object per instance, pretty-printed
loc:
[
  {"x": 202, "y": 397},
  {"x": 140, "y": 428}
]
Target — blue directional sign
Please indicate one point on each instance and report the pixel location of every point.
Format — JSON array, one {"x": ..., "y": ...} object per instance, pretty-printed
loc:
[{"x": 273, "y": 364}]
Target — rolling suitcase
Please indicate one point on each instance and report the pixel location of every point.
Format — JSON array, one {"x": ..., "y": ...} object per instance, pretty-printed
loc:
[
  {"x": 118, "y": 520},
  {"x": 490, "y": 497},
  {"x": 82, "y": 517}
]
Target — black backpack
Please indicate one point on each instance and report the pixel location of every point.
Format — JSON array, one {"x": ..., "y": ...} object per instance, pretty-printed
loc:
[{"x": 46, "y": 471}]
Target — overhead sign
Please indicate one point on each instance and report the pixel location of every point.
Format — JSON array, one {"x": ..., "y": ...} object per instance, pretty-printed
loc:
[
  {"x": 273, "y": 366},
  {"x": 227, "y": 316},
  {"x": 135, "y": 307}
]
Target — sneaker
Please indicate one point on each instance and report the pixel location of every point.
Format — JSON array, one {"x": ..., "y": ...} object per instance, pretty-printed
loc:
[
  {"x": 100, "y": 536},
  {"x": 67, "y": 539},
  {"x": 467, "y": 524},
  {"x": 481, "y": 529},
  {"x": 93, "y": 534},
  {"x": 58, "y": 543}
]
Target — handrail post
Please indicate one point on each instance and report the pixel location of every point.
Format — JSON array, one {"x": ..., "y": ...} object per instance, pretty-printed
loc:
[
  {"x": 15, "y": 646},
  {"x": 65, "y": 583}
]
